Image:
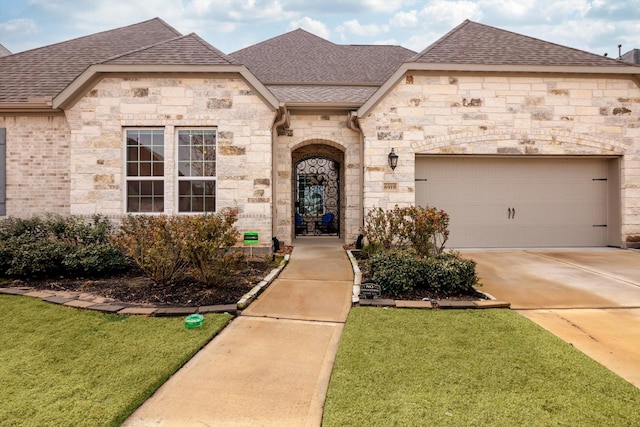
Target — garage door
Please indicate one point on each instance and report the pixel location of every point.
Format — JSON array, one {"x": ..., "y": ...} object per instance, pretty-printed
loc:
[{"x": 506, "y": 202}]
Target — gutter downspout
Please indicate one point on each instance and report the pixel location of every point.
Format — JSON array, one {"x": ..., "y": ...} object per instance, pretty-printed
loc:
[
  {"x": 281, "y": 120},
  {"x": 352, "y": 123}
]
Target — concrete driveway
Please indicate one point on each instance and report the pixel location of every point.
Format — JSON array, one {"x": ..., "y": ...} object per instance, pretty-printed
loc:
[{"x": 588, "y": 297}]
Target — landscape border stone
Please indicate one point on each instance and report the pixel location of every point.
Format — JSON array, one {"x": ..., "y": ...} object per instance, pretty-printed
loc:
[
  {"x": 491, "y": 302},
  {"x": 115, "y": 307}
]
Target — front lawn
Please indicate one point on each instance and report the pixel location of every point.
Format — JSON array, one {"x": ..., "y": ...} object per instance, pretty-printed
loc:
[
  {"x": 468, "y": 368},
  {"x": 61, "y": 366}
]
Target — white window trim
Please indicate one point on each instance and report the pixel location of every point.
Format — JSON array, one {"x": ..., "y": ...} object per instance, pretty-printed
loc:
[
  {"x": 126, "y": 178},
  {"x": 176, "y": 163}
]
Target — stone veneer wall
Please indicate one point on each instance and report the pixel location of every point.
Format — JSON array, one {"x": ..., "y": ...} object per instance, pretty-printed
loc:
[
  {"x": 37, "y": 164},
  {"x": 319, "y": 129},
  {"x": 502, "y": 115},
  {"x": 243, "y": 122}
]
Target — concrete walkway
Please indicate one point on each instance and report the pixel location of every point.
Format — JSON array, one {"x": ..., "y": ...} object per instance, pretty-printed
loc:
[{"x": 271, "y": 365}]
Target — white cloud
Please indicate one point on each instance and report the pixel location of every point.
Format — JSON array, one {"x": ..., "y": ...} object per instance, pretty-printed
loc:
[
  {"x": 356, "y": 28},
  {"x": 311, "y": 25},
  {"x": 419, "y": 42},
  {"x": 21, "y": 27},
  {"x": 405, "y": 19},
  {"x": 450, "y": 12},
  {"x": 383, "y": 5}
]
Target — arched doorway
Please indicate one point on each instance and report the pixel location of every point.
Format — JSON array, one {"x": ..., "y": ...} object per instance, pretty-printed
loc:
[{"x": 317, "y": 196}]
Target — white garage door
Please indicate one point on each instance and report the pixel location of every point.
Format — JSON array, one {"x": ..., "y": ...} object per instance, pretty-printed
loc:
[{"x": 506, "y": 202}]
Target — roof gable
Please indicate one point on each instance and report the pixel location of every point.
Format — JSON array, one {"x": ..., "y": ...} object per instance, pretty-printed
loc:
[
  {"x": 184, "y": 50},
  {"x": 474, "y": 43},
  {"x": 301, "y": 57},
  {"x": 45, "y": 71}
]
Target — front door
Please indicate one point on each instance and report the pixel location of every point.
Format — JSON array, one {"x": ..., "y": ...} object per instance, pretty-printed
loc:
[{"x": 317, "y": 194}]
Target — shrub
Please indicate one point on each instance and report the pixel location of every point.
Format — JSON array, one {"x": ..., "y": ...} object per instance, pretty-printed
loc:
[
  {"x": 449, "y": 273},
  {"x": 395, "y": 271},
  {"x": 424, "y": 229},
  {"x": 53, "y": 245},
  {"x": 208, "y": 247},
  {"x": 166, "y": 248},
  {"x": 155, "y": 244},
  {"x": 401, "y": 271},
  {"x": 383, "y": 229}
]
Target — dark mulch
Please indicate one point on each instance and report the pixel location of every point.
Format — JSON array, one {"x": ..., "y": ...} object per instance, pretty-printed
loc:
[{"x": 135, "y": 289}]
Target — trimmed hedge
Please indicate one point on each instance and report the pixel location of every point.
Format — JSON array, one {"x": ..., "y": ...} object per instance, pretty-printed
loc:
[
  {"x": 53, "y": 245},
  {"x": 401, "y": 271}
]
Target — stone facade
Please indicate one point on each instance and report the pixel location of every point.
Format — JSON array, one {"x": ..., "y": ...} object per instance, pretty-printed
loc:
[
  {"x": 317, "y": 131},
  {"x": 80, "y": 158},
  {"x": 37, "y": 164},
  {"x": 502, "y": 115}
]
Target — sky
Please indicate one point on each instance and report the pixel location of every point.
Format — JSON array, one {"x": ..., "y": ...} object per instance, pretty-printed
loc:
[{"x": 596, "y": 26}]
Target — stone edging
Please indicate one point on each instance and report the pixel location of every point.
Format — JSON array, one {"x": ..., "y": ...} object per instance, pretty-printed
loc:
[
  {"x": 491, "y": 302},
  {"x": 106, "y": 305}
]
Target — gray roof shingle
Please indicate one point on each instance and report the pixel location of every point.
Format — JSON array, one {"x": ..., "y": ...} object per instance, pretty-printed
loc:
[
  {"x": 301, "y": 57},
  {"x": 309, "y": 94},
  {"x": 473, "y": 43},
  {"x": 183, "y": 50},
  {"x": 45, "y": 71}
]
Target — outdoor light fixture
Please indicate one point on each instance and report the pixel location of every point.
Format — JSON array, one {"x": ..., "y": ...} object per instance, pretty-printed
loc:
[{"x": 393, "y": 160}]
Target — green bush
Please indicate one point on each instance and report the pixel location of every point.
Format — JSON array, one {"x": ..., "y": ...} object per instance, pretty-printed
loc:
[
  {"x": 449, "y": 273},
  {"x": 401, "y": 271},
  {"x": 53, "y": 245},
  {"x": 395, "y": 271}
]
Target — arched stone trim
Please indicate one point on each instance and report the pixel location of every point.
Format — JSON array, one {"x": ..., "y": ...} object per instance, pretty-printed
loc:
[
  {"x": 294, "y": 145},
  {"x": 531, "y": 142}
]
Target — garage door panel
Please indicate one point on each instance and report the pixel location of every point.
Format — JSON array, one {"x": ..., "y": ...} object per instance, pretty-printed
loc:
[{"x": 507, "y": 202}]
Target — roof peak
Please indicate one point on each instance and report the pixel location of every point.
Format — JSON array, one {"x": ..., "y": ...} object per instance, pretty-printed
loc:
[
  {"x": 192, "y": 36},
  {"x": 475, "y": 43}
]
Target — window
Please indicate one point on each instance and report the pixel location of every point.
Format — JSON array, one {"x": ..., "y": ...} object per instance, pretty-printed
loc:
[
  {"x": 197, "y": 170},
  {"x": 145, "y": 170}
]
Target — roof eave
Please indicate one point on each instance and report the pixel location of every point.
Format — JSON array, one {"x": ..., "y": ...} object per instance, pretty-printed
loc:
[
  {"x": 631, "y": 71},
  {"x": 89, "y": 77},
  {"x": 32, "y": 105},
  {"x": 346, "y": 106}
]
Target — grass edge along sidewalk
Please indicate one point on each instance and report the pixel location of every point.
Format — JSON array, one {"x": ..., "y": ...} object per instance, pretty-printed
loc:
[
  {"x": 468, "y": 367},
  {"x": 63, "y": 366}
]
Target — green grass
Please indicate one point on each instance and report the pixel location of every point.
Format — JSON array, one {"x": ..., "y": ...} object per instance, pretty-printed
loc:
[
  {"x": 468, "y": 368},
  {"x": 61, "y": 366}
]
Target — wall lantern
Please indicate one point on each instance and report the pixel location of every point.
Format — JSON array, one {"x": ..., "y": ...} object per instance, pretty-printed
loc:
[{"x": 393, "y": 160}]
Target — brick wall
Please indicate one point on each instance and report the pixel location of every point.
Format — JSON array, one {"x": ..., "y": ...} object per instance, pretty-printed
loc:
[{"x": 37, "y": 164}]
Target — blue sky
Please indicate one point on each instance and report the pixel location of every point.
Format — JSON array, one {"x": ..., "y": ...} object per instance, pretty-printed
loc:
[{"x": 596, "y": 26}]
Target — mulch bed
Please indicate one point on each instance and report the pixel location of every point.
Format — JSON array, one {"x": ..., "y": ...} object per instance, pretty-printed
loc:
[{"x": 134, "y": 288}]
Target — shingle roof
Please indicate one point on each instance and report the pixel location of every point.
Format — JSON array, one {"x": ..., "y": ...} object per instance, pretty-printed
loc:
[
  {"x": 632, "y": 57},
  {"x": 307, "y": 94},
  {"x": 301, "y": 57},
  {"x": 45, "y": 71},
  {"x": 473, "y": 43},
  {"x": 184, "y": 50}
]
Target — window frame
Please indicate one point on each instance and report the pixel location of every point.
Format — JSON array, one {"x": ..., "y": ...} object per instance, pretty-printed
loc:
[
  {"x": 185, "y": 178},
  {"x": 152, "y": 178}
]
